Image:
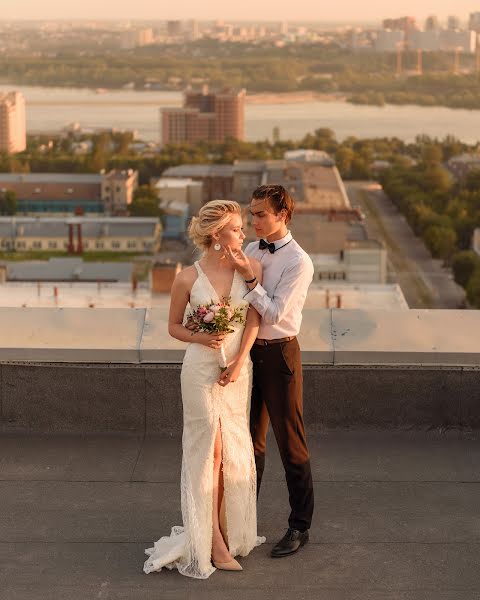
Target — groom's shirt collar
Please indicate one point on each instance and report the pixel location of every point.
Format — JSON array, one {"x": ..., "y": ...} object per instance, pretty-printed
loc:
[{"x": 283, "y": 241}]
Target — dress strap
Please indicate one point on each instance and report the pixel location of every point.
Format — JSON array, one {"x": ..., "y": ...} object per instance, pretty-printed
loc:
[{"x": 199, "y": 268}]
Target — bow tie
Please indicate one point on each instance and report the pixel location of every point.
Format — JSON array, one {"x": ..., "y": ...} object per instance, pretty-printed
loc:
[{"x": 263, "y": 244}]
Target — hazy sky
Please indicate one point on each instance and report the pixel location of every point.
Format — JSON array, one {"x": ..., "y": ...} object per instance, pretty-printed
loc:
[{"x": 272, "y": 10}]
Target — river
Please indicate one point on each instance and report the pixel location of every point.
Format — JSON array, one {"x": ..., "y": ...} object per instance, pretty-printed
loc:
[{"x": 50, "y": 109}]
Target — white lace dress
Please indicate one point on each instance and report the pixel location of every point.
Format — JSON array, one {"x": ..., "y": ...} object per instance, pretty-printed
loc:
[{"x": 206, "y": 406}]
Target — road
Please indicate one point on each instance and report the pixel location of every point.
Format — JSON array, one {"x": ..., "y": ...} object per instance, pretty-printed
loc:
[{"x": 424, "y": 281}]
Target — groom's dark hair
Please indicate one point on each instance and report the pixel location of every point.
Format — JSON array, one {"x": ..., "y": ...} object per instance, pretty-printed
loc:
[{"x": 278, "y": 198}]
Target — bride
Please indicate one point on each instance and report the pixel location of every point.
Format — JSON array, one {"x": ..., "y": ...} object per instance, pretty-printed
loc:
[{"x": 218, "y": 480}]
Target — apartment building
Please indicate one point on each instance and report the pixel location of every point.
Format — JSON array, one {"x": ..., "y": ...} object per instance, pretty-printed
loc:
[
  {"x": 205, "y": 116},
  {"x": 56, "y": 194},
  {"x": 80, "y": 234},
  {"x": 13, "y": 136}
]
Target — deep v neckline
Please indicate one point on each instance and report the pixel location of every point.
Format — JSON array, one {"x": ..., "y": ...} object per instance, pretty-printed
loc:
[{"x": 211, "y": 285}]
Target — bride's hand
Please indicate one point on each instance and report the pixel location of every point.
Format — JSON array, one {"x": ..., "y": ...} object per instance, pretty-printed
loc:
[
  {"x": 212, "y": 340},
  {"x": 231, "y": 374},
  {"x": 239, "y": 261}
]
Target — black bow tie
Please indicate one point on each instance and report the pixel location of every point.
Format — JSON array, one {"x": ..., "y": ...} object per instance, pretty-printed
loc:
[{"x": 263, "y": 244}]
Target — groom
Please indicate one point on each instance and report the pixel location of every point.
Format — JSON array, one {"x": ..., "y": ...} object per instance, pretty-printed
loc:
[{"x": 277, "y": 394}]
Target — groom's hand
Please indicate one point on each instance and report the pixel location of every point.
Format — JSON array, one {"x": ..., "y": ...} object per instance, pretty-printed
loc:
[{"x": 240, "y": 261}]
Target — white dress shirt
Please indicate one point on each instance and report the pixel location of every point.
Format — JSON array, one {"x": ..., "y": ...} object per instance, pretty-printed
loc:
[{"x": 287, "y": 274}]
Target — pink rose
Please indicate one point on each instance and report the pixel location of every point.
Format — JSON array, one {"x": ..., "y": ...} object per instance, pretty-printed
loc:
[
  {"x": 208, "y": 318},
  {"x": 202, "y": 311},
  {"x": 215, "y": 308}
]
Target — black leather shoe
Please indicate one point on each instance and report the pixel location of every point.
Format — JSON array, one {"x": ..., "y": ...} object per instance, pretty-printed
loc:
[{"x": 291, "y": 542}]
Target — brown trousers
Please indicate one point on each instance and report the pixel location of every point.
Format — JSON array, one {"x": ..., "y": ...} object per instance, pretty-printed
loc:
[{"x": 277, "y": 396}]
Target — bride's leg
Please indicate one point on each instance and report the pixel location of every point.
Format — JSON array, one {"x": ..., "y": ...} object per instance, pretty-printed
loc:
[{"x": 219, "y": 549}]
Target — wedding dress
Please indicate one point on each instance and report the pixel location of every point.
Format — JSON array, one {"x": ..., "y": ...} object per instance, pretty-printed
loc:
[{"x": 207, "y": 406}]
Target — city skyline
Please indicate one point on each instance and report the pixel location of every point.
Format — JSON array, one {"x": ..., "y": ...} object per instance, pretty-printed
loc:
[{"x": 342, "y": 11}]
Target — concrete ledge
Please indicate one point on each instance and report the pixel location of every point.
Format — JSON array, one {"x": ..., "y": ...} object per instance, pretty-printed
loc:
[
  {"x": 71, "y": 334},
  {"x": 327, "y": 337},
  {"x": 413, "y": 337},
  {"x": 156, "y": 344}
]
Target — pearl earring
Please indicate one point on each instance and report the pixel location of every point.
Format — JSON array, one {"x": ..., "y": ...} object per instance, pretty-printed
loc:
[{"x": 217, "y": 246}]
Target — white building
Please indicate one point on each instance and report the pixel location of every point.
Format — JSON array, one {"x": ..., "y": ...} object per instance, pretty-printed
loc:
[
  {"x": 463, "y": 164},
  {"x": 428, "y": 41},
  {"x": 451, "y": 39},
  {"x": 362, "y": 262},
  {"x": 173, "y": 190},
  {"x": 179, "y": 199},
  {"x": 389, "y": 41},
  {"x": 13, "y": 134}
]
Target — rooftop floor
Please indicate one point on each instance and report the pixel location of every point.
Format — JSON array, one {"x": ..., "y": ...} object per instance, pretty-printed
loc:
[{"x": 396, "y": 519}]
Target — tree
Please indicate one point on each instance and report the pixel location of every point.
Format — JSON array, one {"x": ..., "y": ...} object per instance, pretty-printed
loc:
[
  {"x": 8, "y": 203},
  {"x": 436, "y": 179},
  {"x": 343, "y": 160},
  {"x": 463, "y": 265},
  {"x": 473, "y": 288},
  {"x": 432, "y": 154},
  {"x": 472, "y": 181},
  {"x": 440, "y": 241},
  {"x": 145, "y": 203}
]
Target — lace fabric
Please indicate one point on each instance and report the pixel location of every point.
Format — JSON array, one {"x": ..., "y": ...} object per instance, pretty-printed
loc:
[{"x": 206, "y": 406}]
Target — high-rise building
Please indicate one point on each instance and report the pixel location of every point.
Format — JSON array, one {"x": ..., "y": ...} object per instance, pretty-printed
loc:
[
  {"x": 453, "y": 22},
  {"x": 405, "y": 24},
  {"x": 135, "y": 38},
  {"x": 174, "y": 28},
  {"x": 205, "y": 116},
  {"x": 13, "y": 136},
  {"x": 432, "y": 23},
  {"x": 194, "y": 30},
  {"x": 474, "y": 22}
]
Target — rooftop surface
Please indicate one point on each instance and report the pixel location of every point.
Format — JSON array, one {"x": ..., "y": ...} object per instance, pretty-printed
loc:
[
  {"x": 51, "y": 178},
  {"x": 60, "y": 269},
  {"x": 396, "y": 518},
  {"x": 80, "y": 294}
]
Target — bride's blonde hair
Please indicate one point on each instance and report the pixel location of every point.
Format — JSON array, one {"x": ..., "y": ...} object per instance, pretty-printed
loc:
[{"x": 212, "y": 217}]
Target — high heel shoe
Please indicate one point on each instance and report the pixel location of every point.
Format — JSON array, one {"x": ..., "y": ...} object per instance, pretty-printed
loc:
[{"x": 231, "y": 565}]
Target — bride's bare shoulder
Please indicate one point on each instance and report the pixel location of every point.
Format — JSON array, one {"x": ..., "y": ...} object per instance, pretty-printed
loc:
[{"x": 187, "y": 275}]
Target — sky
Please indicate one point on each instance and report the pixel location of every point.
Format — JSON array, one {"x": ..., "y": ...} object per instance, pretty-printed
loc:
[{"x": 251, "y": 10}]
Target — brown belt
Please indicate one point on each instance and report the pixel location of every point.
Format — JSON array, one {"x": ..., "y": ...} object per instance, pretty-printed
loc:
[{"x": 261, "y": 342}]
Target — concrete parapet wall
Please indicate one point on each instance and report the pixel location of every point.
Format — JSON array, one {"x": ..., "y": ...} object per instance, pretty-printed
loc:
[
  {"x": 86, "y": 398},
  {"x": 85, "y": 370}
]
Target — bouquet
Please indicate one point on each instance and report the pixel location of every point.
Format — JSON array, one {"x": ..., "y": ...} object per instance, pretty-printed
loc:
[{"x": 217, "y": 318}]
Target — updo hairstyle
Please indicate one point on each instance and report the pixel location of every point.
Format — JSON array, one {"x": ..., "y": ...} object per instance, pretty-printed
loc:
[{"x": 212, "y": 217}]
